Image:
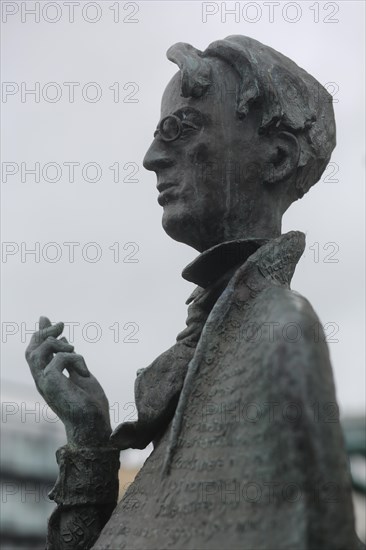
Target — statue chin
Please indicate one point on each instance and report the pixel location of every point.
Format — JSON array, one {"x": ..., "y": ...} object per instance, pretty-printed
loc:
[{"x": 181, "y": 227}]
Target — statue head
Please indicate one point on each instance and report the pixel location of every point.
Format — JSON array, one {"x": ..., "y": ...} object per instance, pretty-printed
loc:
[{"x": 243, "y": 133}]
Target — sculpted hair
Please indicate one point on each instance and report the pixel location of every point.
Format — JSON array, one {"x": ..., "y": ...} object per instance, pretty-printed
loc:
[{"x": 291, "y": 99}]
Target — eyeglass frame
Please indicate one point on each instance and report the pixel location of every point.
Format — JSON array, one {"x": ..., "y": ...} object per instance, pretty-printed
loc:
[{"x": 181, "y": 124}]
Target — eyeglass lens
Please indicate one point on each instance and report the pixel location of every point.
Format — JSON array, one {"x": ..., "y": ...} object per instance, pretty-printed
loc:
[{"x": 170, "y": 127}]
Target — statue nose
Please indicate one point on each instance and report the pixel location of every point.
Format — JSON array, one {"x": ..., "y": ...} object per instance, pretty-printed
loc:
[{"x": 156, "y": 157}]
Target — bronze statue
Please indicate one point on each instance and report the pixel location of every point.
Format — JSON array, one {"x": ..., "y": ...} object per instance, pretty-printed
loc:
[{"x": 248, "y": 451}]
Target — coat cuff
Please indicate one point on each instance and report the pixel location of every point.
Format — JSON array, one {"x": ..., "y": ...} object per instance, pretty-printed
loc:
[{"x": 86, "y": 476}]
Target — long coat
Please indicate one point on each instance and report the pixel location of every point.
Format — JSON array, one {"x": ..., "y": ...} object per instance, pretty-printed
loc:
[{"x": 253, "y": 457}]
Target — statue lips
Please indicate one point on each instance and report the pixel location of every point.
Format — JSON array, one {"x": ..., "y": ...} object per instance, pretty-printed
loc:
[{"x": 166, "y": 192}]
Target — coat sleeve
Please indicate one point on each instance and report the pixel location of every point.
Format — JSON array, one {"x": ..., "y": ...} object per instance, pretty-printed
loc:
[{"x": 86, "y": 493}]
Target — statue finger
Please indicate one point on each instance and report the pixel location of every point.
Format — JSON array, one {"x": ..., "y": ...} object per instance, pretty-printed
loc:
[
  {"x": 72, "y": 362},
  {"x": 41, "y": 335},
  {"x": 58, "y": 390},
  {"x": 44, "y": 322},
  {"x": 41, "y": 356}
]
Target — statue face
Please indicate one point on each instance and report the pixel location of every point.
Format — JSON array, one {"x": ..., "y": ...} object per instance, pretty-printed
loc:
[{"x": 206, "y": 160}]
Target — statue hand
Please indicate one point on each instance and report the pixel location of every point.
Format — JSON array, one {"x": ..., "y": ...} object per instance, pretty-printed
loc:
[{"x": 78, "y": 400}]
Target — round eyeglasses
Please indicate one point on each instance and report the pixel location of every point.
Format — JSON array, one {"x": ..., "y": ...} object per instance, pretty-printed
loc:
[{"x": 171, "y": 127}]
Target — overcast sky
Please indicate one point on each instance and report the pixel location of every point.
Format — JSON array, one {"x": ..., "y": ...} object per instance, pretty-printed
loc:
[{"x": 132, "y": 299}]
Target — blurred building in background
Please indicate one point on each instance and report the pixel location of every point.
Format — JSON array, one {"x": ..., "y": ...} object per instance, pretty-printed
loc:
[
  {"x": 354, "y": 429},
  {"x": 30, "y": 436}
]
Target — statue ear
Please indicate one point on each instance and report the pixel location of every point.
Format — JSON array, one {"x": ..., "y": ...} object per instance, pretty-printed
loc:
[{"x": 284, "y": 152}]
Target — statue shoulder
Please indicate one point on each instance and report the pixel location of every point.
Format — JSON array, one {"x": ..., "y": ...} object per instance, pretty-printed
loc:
[
  {"x": 290, "y": 305},
  {"x": 290, "y": 308},
  {"x": 275, "y": 319}
]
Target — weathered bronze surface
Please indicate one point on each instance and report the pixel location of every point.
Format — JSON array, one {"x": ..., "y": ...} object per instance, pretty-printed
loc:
[{"x": 248, "y": 451}]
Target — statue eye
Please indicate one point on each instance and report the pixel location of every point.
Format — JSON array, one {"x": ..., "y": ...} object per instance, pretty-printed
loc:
[
  {"x": 172, "y": 127},
  {"x": 191, "y": 125},
  {"x": 191, "y": 118}
]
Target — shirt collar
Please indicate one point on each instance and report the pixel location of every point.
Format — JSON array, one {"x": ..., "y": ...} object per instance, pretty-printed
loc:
[
  {"x": 275, "y": 259},
  {"x": 211, "y": 264}
]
